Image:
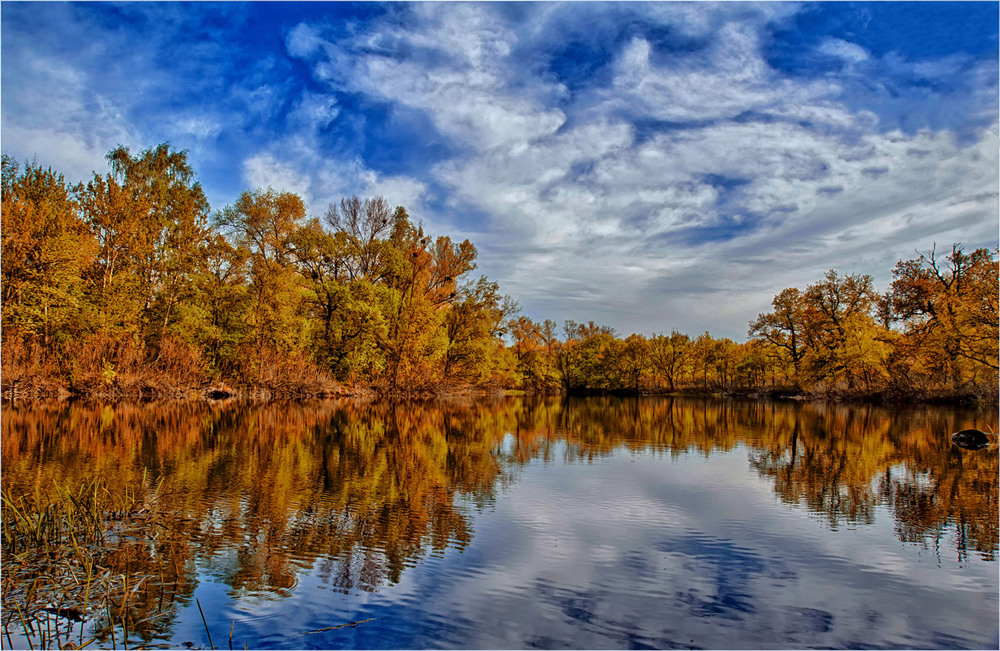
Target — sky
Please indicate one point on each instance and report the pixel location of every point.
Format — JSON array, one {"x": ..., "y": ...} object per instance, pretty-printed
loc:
[{"x": 648, "y": 166}]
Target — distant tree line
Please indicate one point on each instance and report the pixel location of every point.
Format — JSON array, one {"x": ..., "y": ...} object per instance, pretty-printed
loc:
[
  {"x": 933, "y": 334},
  {"x": 130, "y": 284}
]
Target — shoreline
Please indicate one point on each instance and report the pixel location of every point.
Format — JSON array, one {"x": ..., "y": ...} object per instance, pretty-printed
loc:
[{"x": 47, "y": 391}]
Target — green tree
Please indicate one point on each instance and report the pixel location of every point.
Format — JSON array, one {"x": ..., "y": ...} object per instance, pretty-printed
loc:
[
  {"x": 214, "y": 315},
  {"x": 46, "y": 248},
  {"x": 262, "y": 222}
]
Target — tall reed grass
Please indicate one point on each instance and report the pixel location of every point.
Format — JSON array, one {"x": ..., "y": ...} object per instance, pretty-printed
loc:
[{"x": 63, "y": 566}]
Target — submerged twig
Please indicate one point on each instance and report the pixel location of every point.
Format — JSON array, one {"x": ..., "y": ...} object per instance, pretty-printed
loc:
[
  {"x": 209, "y": 633},
  {"x": 331, "y": 628}
]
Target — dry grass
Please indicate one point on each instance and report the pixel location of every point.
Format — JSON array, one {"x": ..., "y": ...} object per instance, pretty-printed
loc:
[
  {"x": 105, "y": 367},
  {"x": 30, "y": 372},
  {"x": 268, "y": 373},
  {"x": 102, "y": 366},
  {"x": 63, "y": 562}
]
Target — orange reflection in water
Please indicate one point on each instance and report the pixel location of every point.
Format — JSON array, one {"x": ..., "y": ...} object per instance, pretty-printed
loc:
[{"x": 368, "y": 488}]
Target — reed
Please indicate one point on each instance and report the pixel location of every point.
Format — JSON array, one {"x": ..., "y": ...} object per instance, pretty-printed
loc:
[{"x": 59, "y": 572}]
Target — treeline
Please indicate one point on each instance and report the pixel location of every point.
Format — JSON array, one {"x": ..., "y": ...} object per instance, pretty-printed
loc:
[
  {"x": 932, "y": 335},
  {"x": 130, "y": 285}
]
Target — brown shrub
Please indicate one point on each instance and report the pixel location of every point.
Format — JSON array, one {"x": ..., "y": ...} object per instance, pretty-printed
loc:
[
  {"x": 28, "y": 370},
  {"x": 269, "y": 373},
  {"x": 177, "y": 365},
  {"x": 104, "y": 366}
]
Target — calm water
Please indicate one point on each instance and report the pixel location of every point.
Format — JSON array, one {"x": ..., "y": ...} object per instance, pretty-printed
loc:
[{"x": 518, "y": 523}]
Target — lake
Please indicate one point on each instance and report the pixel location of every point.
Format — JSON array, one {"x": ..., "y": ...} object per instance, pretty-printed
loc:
[{"x": 520, "y": 522}]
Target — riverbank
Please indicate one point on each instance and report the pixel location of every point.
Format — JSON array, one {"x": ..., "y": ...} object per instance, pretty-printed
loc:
[
  {"x": 307, "y": 386},
  {"x": 42, "y": 389},
  {"x": 293, "y": 381},
  {"x": 972, "y": 395}
]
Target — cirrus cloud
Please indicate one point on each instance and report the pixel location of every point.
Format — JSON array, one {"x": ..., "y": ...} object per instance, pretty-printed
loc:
[{"x": 648, "y": 165}]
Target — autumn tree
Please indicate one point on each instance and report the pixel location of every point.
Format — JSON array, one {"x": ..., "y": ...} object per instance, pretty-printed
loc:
[
  {"x": 632, "y": 362},
  {"x": 128, "y": 265},
  {"x": 46, "y": 249},
  {"x": 947, "y": 308},
  {"x": 784, "y": 327},
  {"x": 752, "y": 364},
  {"x": 425, "y": 283},
  {"x": 174, "y": 226},
  {"x": 149, "y": 217},
  {"x": 262, "y": 223},
  {"x": 115, "y": 283},
  {"x": 726, "y": 357},
  {"x": 362, "y": 227},
  {"x": 703, "y": 354},
  {"x": 474, "y": 326},
  {"x": 214, "y": 317},
  {"x": 670, "y": 355},
  {"x": 833, "y": 308},
  {"x": 534, "y": 345},
  {"x": 591, "y": 357}
]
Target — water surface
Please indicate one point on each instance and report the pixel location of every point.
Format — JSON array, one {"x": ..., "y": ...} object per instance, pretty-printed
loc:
[{"x": 527, "y": 523}]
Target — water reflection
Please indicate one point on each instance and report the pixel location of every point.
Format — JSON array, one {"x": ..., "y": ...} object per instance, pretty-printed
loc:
[{"x": 353, "y": 493}]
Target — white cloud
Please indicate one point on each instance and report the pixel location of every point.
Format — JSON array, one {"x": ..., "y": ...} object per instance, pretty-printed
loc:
[
  {"x": 727, "y": 80},
  {"x": 398, "y": 190},
  {"x": 841, "y": 49},
  {"x": 465, "y": 97},
  {"x": 303, "y": 41},
  {"x": 314, "y": 111},
  {"x": 60, "y": 119},
  {"x": 201, "y": 127},
  {"x": 264, "y": 171},
  {"x": 591, "y": 218}
]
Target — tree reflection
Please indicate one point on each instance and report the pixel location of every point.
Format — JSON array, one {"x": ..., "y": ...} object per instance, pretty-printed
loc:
[
  {"x": 360, "y": 491},
  {"x": 844, "y": 461}
]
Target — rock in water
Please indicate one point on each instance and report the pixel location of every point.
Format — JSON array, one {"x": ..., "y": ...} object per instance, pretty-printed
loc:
[{"x": 970, "y": 439}]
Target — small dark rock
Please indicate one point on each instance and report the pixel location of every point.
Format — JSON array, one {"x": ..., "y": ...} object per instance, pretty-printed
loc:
[
  {"x": 970, "y": 439},
  {"x": 219, "y": 393},
  {"x": 72, "y": 614}
]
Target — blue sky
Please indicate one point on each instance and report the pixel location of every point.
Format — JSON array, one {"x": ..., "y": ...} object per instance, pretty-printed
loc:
[{"x": 649, "y": 166}]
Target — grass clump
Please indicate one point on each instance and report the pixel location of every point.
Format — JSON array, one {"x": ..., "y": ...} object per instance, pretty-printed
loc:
[{"x": 72, "y": 557}]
